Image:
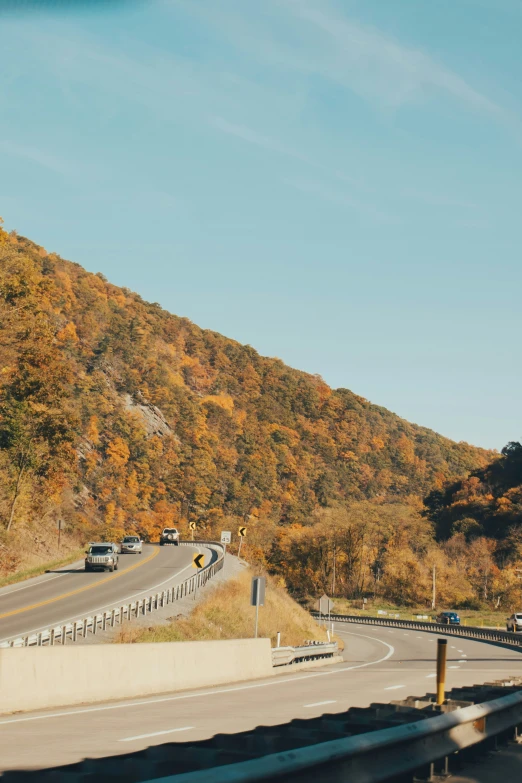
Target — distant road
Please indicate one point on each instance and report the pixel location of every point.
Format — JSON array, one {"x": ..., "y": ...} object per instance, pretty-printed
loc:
[
  {"x": 380, "y": 665},
  {"x": 70, "y": 593}
]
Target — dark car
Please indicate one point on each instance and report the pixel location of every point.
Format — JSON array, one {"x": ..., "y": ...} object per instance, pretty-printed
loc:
[{"x": 448, "y": 618}]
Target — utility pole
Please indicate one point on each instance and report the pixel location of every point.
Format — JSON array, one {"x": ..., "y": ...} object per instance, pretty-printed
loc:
[
  {"x": 333, "y": 573},
  {"x": 59, "y": 532},
  {"x": 434, "y": 595}
]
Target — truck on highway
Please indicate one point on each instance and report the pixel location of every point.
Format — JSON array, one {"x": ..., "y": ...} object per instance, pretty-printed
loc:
[
  {"x": 169, "y": 535},
  {"x": 102, "y": 557}
]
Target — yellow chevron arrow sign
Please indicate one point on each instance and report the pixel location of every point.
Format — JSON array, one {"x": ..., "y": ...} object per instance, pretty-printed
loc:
[{"x": 198, "y": 561}]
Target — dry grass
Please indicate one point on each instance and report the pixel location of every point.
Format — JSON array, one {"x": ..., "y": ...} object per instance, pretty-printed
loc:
[
  {"x": 226, "y": 614},
  {"x": 486, "y": 618},
  {"x": 42, "y": 568}
]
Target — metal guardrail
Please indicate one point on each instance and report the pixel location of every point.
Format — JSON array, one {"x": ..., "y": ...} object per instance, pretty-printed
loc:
[
  {"x": 377, "y": 756},
  {"x": 467, "y": 631},
  {"x": 284, "y": 656},
  {"x": 92, "y": 624},
  {"x": 379, "y": 743}
]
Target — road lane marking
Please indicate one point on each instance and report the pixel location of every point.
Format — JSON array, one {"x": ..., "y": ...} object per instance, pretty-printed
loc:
[
  {"x": 464, "y": 655},
  {"x": 320, "y": 703},
  {"x": 453, "y": 667},
  {"x": 42, "y": 582},
  {"x": 80, "y": 589},
  {"x": 155, "y": 734},
  {"x": 215, "y": 691},
  {"x": 430, "y": 675},
  {"x": 394, "y": 687},
  {"x": 106, "y": 606}
]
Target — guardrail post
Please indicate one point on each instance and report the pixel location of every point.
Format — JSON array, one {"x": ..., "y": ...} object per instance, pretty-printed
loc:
[
  {"x": 51, "y": 637},
  {"x": 74, "y": 630},
  {"x": 104, "y": 621},
  {"x": 94, "y": 624},
  {"x": 84, "y": 629},
  {"x": 442, "y": 646},
  {"x": 278, "y": 643},
  {"x": 64, "y": 634}
]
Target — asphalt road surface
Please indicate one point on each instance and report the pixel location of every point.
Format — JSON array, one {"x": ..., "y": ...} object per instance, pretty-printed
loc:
[
  {"x": 380, "y": 665},
  {"x": 72, "y": 593}
]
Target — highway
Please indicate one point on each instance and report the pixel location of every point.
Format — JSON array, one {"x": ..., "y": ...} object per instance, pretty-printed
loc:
[
  {"x": 70, "y": 593},
  {"x": 380, "y": 665}
]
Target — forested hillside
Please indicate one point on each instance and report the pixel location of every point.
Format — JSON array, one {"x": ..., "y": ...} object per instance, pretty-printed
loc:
[
  {"x": 486, "y": 503},
  {"x": 116, "y": 415}
]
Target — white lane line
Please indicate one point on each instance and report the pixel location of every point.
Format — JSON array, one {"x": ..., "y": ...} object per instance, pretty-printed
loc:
[
  {"x": 430, "y": 675},
  {"x": 42, "y": 582},
  {"x": 320, "y": 703},
  {"x": 214, "y": 692},
  {"x": 107, "y": 606},
  {"x": 463, "y": 655},
  {"x": 453, "y": 667},
  {"x": 394, "y": 687},
  {"x": 155, "y": 734}
]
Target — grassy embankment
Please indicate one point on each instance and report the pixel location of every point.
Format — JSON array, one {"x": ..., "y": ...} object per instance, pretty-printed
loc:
[
  {"x": 480, "y": 617},
  {"x": 226, "y": 614},
  {"x": 42, "y": 568}
]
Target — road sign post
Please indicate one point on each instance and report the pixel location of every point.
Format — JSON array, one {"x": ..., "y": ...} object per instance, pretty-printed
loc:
[
  {"x": 241, "y": 533},
  {"x": 257, "y": 597},
  {"x": 325, "y": 606},
  {"x": 226, "y": 538}
]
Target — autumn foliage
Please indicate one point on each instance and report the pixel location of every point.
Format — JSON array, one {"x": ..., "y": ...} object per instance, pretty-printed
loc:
[{"x": 117, "y": 416}]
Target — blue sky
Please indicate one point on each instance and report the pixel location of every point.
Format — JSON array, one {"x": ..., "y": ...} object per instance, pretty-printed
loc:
[{"x": 335, "y": 183}]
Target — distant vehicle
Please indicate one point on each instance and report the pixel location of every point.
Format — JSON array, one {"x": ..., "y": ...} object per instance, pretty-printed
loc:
[
  {"x": 448, "y": 618},
  {"x": 169, "y": 536},
  {"x": 131, "y": 545},
  {"x": 514, "y": 623},
  {"x": 102, "y": 557}
]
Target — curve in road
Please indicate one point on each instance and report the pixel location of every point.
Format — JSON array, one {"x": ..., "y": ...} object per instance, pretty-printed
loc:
[
  {"x": 379, "y": 665},
  {"x": 59, "y": 597}
]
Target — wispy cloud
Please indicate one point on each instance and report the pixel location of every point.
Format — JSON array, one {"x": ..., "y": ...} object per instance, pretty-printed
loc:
[
  {"x": 35, "y": 155},
  {"x": 341, "y": 199},
  {"x": 251, "y": 136},
  {"x": 313, "y": 37},
  {"x": 376, "y": 65}
]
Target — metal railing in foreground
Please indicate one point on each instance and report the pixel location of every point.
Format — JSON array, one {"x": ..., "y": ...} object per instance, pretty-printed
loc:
[
  {"x": 368, "y": 745},
  {"x": 468, "y": 631},
  {"x": 78, "y": 629},
  {"x": 284, "y": 656}
]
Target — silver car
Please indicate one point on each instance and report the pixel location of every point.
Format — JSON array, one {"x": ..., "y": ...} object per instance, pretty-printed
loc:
[
  {"x": 131, "y": 545},
  {"x": 102, "y": 557}
]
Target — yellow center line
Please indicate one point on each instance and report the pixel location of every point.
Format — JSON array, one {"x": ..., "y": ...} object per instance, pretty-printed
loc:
[{"x": 80, "y": 589}]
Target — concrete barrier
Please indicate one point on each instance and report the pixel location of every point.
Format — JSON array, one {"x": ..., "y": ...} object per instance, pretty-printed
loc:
[{"x": 35, "y": 678}]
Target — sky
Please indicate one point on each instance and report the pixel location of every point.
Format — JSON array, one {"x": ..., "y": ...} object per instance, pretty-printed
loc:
[{"x": 334, "y": 182}]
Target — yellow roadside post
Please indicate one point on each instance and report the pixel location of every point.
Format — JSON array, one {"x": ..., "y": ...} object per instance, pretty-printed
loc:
[
  {"x": 198, "y": 562},
  {"x": 192, "y": 527},
  {"x": 442, "y": 646}
]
